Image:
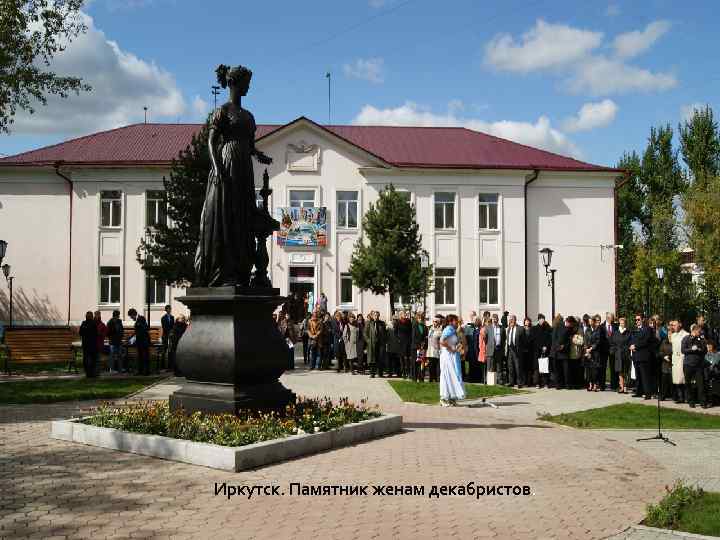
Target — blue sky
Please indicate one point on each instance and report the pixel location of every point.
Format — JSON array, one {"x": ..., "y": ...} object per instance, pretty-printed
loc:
[{"x": 582, "y": 78}]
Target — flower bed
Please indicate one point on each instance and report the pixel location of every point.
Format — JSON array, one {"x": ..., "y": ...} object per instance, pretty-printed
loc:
[{"x": 306, "y": 416}]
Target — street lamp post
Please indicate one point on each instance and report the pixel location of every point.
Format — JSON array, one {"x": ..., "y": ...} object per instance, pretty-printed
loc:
[
  {"x": 547, "y": 254},
  {"x": 9, "y": 279},
  {"x": 424, "y": 264},
  {"x": 660, "y": 273}
]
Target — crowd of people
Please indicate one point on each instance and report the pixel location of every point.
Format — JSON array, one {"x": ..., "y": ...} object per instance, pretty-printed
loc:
[
  {"x": 99, "y": 338},
  {"x": 644, "y": 356}
]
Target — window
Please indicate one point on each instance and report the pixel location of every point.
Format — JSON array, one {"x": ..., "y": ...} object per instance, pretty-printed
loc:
[
  {"x": 489, "y": 286},
  {"x": 488, "y": 211},
  {"x": 346, "y": 289},
  {"x": 444, "y": 286},
  {"x": 154, "y": 291},
  {"x": 156, "y": 208},
  {"x": 110, "y": 208},
  {"x": 444, "y": 210},
  {"x": 259, "y": 199},
  {"x": 109, "y": 284},
  {"x": 347, "y": 209},
  {"x": 302, "y": 198}
]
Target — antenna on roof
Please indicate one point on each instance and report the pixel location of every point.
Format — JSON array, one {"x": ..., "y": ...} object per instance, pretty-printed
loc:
[
  {"x": 215, "y": 92},
  {"x": 328, "y": 78},
  {"x": 145, "y": 109}
]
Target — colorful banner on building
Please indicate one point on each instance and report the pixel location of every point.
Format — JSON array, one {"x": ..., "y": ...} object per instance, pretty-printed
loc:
[{"x": 302, "y": 227}]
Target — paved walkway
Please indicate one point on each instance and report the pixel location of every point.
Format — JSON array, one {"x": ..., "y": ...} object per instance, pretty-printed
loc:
[{"x": 585, "y": 484}]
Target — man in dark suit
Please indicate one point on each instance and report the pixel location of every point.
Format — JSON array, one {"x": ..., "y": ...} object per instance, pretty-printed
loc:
[
  {"x": 496, "y": 345},
  {"x": 142, "y": 341},
  {"x": 515, "y": 344},
  {"x": 167, "y": 322},
  {"x": 541, "y": 335},
  {"x": 606, "y": 355},
  {"x": 642, "y": 342}
]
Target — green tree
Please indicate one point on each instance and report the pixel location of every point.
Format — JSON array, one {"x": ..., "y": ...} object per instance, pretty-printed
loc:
[
  {"x": 388, "y": 259},
  {"x": 170, "y": 254},
  {"x": 700, "y": 145},
  {"x": 32, "y": 32},
  {"x": 700, "y": 148},
  {"x": 629, "y": 210}
]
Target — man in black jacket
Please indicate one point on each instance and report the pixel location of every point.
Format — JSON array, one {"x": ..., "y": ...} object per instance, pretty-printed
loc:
[
  {"x": 642, "y": 346},
  {"x": 541, "y": 335},
  {"x": 89, "y": 335},
  {"x": 607, "y": 357},
  {"x": 694, "y": 347},
  {"x": 167, "y": 322},
  {"x": 115, "y": 334},
  {"x": 142, "y": 341}
]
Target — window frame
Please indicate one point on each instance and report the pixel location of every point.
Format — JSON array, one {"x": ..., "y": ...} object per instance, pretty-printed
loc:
[
  {"x": 306, "y": 189},
  {"x": 343, "y": 277},
  {"x": 445, "y": 205},
  {"x": 444, "y": 288},
  {"x": 110, "y": 278},
  {"x": 484, "y": 283},
  {"x": 157, "y": 287},
  {"x": 346, "y": 203},
  {"x": 110, "y": 200},
  {"x": 154, "y": 199},
  {"x": 484, "y": 207}
]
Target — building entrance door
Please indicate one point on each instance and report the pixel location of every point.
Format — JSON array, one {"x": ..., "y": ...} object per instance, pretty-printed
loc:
[{"x": 302, "y": 282}]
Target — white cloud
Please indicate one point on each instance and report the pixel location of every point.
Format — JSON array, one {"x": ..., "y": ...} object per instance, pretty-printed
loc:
[
  {"x": 572, "y": 52},
  {"x": 368, "y": 69},
  {"x": 200, "y": 107},
  {"x": 631, "y": 44},
  {"x": 591, "y": 116},
  {"x": 599, "y": 76},
  {"x": 539, "y": 134},
  {"x": 544, "y": 46},
  {"x": 613, "y": 10},
  {"x": 688, "y": 111},
  {"x": 121, "y": 84}
]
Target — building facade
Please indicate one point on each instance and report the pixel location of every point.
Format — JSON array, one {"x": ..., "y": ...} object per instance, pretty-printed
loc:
[{"x": 73, "y": 215}]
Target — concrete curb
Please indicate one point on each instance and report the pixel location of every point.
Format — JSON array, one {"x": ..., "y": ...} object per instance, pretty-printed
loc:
[
  {"x": 641, "y": 532},
  {"x": 228, "y": 458}
]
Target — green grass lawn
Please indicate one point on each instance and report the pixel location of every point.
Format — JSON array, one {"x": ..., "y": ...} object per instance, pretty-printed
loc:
[
  {"x": 687, "y": 509},
  {"x": 429, "y": 393},
  {"x": 52, "y": 390},
  {"x": 635, "y": 416}
]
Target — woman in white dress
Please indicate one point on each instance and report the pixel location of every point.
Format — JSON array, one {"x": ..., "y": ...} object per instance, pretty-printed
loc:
[
  {"x": 451, "y": 385},
  {"x": 678, "y": 376}
]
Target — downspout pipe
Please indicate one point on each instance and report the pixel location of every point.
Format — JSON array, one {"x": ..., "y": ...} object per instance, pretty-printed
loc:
[
  {"x": 529, "y": 179},
  {"x": 71, "y": 189}
]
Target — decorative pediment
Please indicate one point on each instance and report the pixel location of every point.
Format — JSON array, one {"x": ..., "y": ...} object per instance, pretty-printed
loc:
[{"x": 303, "y": 157}]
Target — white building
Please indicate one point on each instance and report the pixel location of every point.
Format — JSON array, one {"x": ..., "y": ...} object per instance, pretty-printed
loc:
[{"x": 73, "y": 215}]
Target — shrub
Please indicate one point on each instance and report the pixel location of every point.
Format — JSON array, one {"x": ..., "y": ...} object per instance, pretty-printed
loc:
[
  {"x": 307, "y": 415},
  {"x": 666, "y": 513}
]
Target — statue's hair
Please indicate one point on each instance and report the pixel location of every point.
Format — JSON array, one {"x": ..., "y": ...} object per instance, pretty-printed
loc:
[{"x": 225, "y": 74}]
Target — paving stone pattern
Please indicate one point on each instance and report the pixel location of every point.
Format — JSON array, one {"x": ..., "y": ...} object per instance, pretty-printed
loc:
[{"x": 585, "y": 484}]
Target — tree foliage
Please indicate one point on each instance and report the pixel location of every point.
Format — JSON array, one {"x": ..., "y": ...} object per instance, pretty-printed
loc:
[
  {"x": 388, "y": 259},
  {"x": 170, "y": 254},
  {"x": 700, "y": 148},
  {"x": 32, "y": 32}
]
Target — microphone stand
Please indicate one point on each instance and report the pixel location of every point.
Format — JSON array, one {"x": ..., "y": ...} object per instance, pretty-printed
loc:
[{"x": 659, "y": 436}]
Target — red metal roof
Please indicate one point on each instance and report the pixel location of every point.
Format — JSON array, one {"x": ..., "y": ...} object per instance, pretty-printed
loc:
[{"x": 423, "y": 147}]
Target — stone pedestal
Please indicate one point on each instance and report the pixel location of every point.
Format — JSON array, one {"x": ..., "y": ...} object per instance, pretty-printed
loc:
[{"x": 232, "y": 354}]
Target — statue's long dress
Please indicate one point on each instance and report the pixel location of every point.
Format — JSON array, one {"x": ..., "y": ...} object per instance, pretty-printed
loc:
[{"x": 225, "y": 254}]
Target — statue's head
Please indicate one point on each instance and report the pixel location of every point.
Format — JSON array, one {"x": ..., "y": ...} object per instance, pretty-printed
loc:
[{"x": 237, "y": 77}]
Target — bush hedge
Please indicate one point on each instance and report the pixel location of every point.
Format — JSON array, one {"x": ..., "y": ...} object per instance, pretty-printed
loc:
[{"x": 307, "y": 415}]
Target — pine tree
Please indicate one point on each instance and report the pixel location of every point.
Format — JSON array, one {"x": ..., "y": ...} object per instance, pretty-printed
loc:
[
  {"x": 390, "y": 261},
  {"x": 170, "y": 254}
]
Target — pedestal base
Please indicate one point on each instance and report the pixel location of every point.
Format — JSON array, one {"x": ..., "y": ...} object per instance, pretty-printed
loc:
[
  {"x": 233, "y": 353},
  {"x": 213, "y": 398}
]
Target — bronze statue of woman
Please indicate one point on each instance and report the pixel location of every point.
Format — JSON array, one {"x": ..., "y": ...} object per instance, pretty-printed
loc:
[{"x": 230, "y": 217}]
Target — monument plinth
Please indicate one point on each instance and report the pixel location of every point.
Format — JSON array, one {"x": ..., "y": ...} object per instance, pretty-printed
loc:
[{"x": 233, "y": 353}]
